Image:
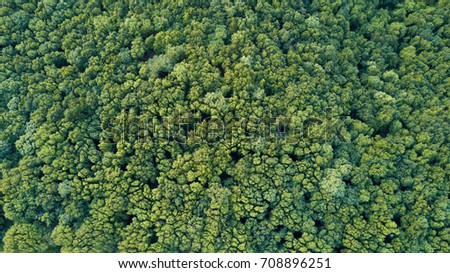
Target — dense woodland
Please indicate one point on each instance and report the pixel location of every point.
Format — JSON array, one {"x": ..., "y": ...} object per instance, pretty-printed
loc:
[{"x": 70, "y": 70}]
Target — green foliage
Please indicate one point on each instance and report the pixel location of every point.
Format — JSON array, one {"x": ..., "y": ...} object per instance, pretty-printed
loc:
[{"x": 160, "y": 127}]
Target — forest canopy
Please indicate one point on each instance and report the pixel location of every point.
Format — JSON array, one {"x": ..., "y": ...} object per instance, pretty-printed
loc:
[{"x": 225, "y": 126}]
